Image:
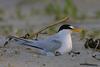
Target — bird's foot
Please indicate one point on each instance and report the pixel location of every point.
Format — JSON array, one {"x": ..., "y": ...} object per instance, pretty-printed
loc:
[
  {"x": 74, "y": 53},
  {"x": 57, "y": 53}
]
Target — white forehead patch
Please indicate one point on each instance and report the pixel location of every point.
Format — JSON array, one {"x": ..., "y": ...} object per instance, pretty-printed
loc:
[{"x": 71, "y": 27}]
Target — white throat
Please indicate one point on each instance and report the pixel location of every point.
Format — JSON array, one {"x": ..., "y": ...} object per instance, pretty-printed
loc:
[{"x": 65, "y": 38}]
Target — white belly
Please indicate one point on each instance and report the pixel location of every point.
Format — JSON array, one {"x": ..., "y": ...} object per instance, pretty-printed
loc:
[{"x": 66, "y": 45}]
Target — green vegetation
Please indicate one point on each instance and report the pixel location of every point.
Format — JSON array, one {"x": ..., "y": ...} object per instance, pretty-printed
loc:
[
  {"x": 89, "y": 34},
  {"x": 59, "y": 12},
  {"x": 70, "y": 9},
  {"x": 94, "y": 34},
  {"x": 54, "y": 10}
]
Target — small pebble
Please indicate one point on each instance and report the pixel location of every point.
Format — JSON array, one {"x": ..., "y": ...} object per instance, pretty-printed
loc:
[{"x": 44, "y": 64}]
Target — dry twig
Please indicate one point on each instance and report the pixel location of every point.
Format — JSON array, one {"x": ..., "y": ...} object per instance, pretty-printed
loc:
[
  {"x": 46, "y": 27},
  {"x": 59, "y": 22}
]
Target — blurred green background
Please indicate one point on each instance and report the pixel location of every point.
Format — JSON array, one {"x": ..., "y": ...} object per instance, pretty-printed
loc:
[{"x": 22, "y": 16}]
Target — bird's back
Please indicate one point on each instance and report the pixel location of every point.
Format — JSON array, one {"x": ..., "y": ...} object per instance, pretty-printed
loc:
[{"x": 51, "y": 43}]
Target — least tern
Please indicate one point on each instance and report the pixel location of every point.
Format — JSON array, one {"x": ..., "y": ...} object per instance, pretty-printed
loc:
[{"x": 57, "y": 44}]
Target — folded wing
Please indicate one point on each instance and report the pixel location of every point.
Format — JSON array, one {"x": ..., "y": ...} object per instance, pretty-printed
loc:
[{"x": 50, "y": 44}]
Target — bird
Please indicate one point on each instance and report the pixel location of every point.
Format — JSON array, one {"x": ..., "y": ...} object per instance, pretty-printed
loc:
[{"x": 56, "y": 45}]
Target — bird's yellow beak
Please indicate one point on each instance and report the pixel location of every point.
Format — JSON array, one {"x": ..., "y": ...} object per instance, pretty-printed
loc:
[{"x": 76, "y": 30}]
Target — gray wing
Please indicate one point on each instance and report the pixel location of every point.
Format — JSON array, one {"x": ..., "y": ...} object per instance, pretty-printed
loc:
[{"x": 51, "y": 44}]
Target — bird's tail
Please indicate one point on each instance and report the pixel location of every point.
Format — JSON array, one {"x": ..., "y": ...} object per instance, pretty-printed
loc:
[{"x": 22, "y": 41}]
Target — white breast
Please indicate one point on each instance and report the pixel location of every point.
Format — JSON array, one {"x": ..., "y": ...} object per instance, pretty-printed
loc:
[{"x": 65, "y": 37}]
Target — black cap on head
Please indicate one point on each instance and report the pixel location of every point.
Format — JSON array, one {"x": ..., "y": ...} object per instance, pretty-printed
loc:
[{"x": 66, "y": 26}]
